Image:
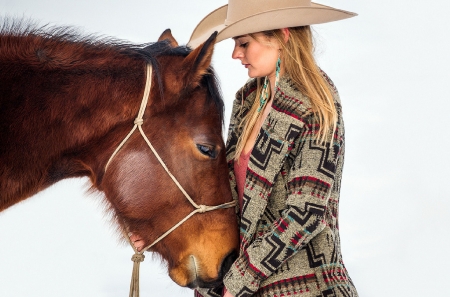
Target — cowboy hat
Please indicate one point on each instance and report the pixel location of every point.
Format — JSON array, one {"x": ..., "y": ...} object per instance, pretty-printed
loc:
[{"x": 242, "y": 17}]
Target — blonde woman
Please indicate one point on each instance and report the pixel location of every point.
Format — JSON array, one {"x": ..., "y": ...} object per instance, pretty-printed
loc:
[{"x": 285, "y": 150}]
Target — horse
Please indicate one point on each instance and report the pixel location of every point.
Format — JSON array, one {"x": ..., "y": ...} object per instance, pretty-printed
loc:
[{"x": 68, "y": 101}]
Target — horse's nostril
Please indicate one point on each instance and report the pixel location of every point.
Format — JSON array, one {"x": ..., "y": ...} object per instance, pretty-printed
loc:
[{"x": 227, "y": 262}]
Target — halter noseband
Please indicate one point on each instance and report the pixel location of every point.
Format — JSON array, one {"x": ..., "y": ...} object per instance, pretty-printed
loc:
[{"x": 139, "y": 256}]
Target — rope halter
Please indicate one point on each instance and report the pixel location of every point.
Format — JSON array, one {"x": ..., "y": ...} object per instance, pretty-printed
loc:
[{"x": 138, "y": 256}]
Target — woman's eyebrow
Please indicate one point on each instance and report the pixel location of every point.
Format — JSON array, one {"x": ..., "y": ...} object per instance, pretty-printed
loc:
[{"x": 237, "y": 37}]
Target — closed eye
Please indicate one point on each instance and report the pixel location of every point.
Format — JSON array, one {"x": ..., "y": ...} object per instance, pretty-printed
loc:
[
  {"x": 243, "y": 45},
  {"x": 207, "y": 150}
]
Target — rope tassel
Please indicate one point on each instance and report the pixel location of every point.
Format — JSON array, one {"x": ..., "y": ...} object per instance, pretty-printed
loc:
[{"x": 137, "y": 258}]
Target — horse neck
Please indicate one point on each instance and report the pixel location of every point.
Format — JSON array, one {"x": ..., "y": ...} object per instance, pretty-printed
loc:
[{"x": 56, "y": 123}]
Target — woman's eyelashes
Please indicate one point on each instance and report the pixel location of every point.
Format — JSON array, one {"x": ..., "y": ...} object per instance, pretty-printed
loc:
[{"x": 243, "y": 44}]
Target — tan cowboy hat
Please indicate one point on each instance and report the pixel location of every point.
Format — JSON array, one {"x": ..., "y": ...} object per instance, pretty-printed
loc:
[{"x": 241, "y": 17}]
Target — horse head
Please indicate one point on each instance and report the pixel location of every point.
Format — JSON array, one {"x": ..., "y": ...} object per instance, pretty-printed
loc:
[
  {"x": 183, "y": 122},
  {"x": 67, "y": 102}
]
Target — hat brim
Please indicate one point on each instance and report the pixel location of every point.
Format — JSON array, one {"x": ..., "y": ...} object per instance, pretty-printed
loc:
[{"x": 268, "y": 20}]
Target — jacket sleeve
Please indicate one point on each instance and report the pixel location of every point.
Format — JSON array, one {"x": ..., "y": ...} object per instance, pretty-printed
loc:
[{"x": 309, "y": 185}]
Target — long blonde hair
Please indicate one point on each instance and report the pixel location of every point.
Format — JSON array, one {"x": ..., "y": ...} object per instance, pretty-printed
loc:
[{"x": 297, "y": 58}]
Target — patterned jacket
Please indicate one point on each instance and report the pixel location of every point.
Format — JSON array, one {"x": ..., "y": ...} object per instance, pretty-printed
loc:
[{"x": 289, "y": 236}]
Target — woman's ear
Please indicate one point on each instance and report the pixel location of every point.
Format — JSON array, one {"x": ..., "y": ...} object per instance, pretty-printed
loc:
[{"x": 285, "y": 34}]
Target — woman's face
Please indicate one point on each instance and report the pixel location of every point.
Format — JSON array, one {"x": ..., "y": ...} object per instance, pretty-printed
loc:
[{"x": 258, "y": 55}]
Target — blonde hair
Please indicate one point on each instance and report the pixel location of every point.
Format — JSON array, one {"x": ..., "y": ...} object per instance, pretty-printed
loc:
[{"x": 298, "y": 61}]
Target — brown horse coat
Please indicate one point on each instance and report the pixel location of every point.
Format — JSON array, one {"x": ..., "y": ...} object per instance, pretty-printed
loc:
[{"x": 67, "y": 101}]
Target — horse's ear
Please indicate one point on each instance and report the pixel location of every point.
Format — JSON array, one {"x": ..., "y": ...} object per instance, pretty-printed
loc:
[
  {"x": 198, "y": 61},
  {"x": 167, "y": 35}
]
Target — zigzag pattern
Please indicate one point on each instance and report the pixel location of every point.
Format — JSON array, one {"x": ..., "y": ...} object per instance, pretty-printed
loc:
[
  {"x": 261, "y": 156},
  {"x": 280, "y": 251},
  {"x": 271, "y": 216},
  {"x": 313, "y": 259},
  {"x": 245, "y": 292},
  {"x": 271, "y": 261},
  {"x": 244, "y": 226},
  {"x": 245, "y": 202},
  {"x": 213, "y": 292},
  {"x": 267, "y": 145},
  {"x": 326, "y": 164},
  {"x": 292, "y": 133},
  {"x": 334, "y": 255},
  {"x": 302, "y": 217}
]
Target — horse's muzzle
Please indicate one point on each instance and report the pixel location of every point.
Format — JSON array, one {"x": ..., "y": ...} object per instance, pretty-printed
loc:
[{"x": 198, "y": 282}]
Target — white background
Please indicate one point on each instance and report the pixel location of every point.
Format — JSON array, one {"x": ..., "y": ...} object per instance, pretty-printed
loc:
[{"x": 390, "y": 65}]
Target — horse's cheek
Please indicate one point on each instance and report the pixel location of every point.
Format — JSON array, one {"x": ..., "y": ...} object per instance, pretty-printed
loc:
[{"x": 128, "y": 173}]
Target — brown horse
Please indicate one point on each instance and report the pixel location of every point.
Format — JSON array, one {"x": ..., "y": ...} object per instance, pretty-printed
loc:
[{"x": 67, "y": 101}]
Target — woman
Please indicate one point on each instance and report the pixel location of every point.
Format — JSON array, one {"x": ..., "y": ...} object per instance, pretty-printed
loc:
[{"x": 285, "y": 150}]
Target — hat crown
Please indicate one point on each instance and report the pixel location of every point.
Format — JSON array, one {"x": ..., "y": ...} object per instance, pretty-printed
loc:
[
  {"x": 241, "y": 9},
  {"x": 240, "y": 17}
]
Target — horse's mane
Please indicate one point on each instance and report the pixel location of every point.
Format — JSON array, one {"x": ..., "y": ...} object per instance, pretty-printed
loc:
[{"x": 20, "y": 38}]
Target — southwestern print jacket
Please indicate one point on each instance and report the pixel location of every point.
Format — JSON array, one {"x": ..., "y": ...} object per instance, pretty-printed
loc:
[{"x": 289, "y": 224}]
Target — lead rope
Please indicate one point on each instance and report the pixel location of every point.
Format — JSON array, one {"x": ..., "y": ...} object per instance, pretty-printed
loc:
[{"x": 138, "y": 257}]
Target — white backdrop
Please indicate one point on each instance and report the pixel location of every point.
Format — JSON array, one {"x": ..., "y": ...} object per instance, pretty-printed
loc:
[{"x": 390, "y": 65}]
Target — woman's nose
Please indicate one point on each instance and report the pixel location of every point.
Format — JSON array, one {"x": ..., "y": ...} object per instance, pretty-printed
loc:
[{"x": 237, "y": 54}]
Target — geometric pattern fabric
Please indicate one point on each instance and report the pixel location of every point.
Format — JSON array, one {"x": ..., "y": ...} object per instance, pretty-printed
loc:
[{"x": 289, "y": 236}]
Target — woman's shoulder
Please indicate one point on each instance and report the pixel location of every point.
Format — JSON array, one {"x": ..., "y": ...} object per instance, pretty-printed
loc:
[
  {"x": 290, "y": 99},
  {"x": 333, "y": 89},
  {"x": 329, "y": 81}
]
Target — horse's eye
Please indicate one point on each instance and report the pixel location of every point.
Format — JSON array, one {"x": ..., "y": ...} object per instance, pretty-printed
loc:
[{"x": 207, "y": 150}]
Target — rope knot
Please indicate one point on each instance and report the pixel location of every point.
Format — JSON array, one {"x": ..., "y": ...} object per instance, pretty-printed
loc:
[
  {"x": 138, "y": 121},
  {"x": 137, "y": 258},
  {"x": 202, "y": 208}
]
